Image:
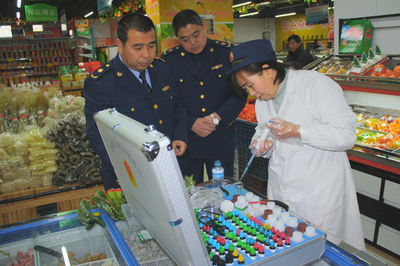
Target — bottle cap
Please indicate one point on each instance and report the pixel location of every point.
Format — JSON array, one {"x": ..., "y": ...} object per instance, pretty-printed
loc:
[{"x": 217, "y": 163}]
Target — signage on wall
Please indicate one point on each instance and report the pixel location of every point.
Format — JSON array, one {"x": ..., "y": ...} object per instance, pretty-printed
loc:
[
  {"x": 104, "y": 6},
  {"x": 317, "y": 15},
  {"x": 41, "y": 12}
]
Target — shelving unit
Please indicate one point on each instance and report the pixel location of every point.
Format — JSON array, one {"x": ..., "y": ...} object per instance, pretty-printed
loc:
[
  {"x": 88, "y": 51},
  {"x": 22, "y": 59}
]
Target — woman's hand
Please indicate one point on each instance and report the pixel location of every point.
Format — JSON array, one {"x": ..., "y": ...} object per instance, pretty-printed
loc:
[{"x": 283, "y": 129}]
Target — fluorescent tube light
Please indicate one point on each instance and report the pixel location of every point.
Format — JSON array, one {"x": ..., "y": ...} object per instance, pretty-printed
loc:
[
  {"x": 284, "y": 15},
  {"x": 331, "y": 8},
  {"x": 18, "y": 3},
  {"x": 88, "y": 14},
  {"x": 249, "y": 14},
  {"x": 18, "y": 15},
  {"x": 242, "y": 4}
]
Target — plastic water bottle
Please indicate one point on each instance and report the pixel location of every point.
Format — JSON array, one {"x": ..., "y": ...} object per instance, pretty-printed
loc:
[{"x": 218, "y": 174}]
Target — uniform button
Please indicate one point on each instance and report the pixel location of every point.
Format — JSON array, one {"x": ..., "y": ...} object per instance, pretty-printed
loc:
[
  {"x": 203, "y": 110},
  {"x": 132, "y": 109},
  {"x": 202, "y": 96},
  {"x": 201, "y": 83},
  {"x": 219, "y": 76},
  {"x": 160, "y": 122},
  {"x": 155, "y": 106},
  {"x": 181, "y": 80}
]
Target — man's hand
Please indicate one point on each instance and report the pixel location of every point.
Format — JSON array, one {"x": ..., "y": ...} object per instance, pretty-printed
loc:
[
  {"x": 203, "y": 127},
  {"x": 179, "y": 147}
]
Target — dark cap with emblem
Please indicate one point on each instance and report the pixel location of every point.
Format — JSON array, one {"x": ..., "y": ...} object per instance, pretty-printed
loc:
[{"x": 249, "y": 53}]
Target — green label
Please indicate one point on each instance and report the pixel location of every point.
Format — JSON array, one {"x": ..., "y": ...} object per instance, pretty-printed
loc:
[
  {"x": 69, "y": 222},
  {"x": 41, "y": 12}
]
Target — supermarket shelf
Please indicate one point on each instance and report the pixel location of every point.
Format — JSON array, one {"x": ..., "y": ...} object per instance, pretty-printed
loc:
[{"x": 86, "y": 47}]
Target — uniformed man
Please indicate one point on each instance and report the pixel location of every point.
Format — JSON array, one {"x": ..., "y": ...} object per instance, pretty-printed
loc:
[
  {"x": 137, "y": 85},
  {"x": 199, "y": 66}
]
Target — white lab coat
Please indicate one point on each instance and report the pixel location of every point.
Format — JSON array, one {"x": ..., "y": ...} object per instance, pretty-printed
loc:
[{"x": 315, "y": 178}]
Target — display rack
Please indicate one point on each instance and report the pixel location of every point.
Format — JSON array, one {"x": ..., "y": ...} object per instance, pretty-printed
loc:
[
  {"x": 25, "y": 59},
  {"x": 87, "y": 50}
]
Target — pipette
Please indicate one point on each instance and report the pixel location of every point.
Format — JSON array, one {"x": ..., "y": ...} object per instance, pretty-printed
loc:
[{"x": 262, "y": 138}]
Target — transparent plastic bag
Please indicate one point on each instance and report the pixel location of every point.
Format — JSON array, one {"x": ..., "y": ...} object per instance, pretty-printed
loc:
[{"x": 204, "y": 197}]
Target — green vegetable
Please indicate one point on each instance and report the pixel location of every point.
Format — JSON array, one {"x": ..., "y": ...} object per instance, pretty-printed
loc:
[
  {"x": 189, "y": 181},
  {"x": 86, "y": 217},
  {"x": 110, "y": 203}
]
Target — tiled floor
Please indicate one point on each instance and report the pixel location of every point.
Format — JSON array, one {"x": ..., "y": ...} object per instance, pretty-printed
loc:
[{"x": 390, "y": 261}]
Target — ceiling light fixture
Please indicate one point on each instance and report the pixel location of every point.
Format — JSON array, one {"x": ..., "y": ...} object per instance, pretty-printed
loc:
[
  {"x": 18, "y": 3},
  {"x": 242, "y": 4},
  {"x": 88, "y": 14},
  {"x": 284, "y": 15},
  {"x": 332, "y": 7},
  {"x": 18, "y": 15},
  {"x": 249, "y": 14}
]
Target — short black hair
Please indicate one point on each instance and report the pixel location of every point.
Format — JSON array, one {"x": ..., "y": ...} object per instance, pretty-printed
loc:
[
  {"x": 185, "y": 17},
  {"x": 134, "y": 21},
  {"x": 294, "y": 37},
  {"x": 257, "y": 68}
]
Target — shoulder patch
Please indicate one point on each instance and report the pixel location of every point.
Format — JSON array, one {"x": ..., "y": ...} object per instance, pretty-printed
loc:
[
  {"x": 160, "y": 59},
  {"x": 222, "y": 43},
  {"x": 101, "y": 71},
  {"x": 171, "y": 50}
]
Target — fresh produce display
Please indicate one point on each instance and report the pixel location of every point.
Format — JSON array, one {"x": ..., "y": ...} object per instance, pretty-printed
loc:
[
  {"x": 385, "y": 123},
  {"x": 86, "y": 217},
  {"x": 335, "y": 66},
  {"x": 111, "y": 202},
  {"x": 378, "y": 140},
  {"x": 369, "y": 63},
  {"x": 248, "y": 113}
]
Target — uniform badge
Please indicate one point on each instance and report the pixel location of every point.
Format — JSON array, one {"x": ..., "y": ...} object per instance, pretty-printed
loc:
[
  {"x": 165, "y": 88},
  {"x": 119, "y": 74},
  {"x": 107, "y": 65},
  {"x": 231, "y": 57},
  {"x": 216, "y": 67},
  {"x": 212, "y": 50},
  {"x": 100, "y": 70}
]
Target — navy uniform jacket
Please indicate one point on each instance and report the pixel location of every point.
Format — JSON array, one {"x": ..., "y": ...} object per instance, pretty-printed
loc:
[
  {"x": 204, "y": 92},
  {"x": 113, "y": 85}
]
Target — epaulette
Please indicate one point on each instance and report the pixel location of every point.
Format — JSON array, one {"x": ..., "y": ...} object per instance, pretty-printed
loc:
[
  {"x": 171, "y": 50},
  {"x": 222, "y": 43},
  {"x": 160, "y": 59},
  {"x": 100, "y": 71}
]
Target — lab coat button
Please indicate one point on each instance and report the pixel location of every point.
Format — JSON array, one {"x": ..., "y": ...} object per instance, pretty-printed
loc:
[{"x": 284, "y": 188}]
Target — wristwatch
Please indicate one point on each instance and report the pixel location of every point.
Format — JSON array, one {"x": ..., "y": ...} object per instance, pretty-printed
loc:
[{"x": 215, "y": 120}]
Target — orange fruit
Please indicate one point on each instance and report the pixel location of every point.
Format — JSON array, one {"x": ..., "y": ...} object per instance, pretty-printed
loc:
[
  {"x": 379, "y": 69},
  {"x": 388, "y": 71},
  {"x": 396, "y": 70},
  {"x": 393, "y": 76},
  {"x": 384, "y": 75}
]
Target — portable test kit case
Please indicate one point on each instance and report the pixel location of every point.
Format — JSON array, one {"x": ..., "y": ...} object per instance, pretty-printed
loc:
[{"x": 149, "y": 174}]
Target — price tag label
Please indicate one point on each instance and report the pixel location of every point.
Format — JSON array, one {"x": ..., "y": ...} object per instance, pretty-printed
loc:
[{"x": 10, "y": 60}]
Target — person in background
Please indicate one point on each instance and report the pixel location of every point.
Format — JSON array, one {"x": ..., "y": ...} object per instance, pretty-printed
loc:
[
  {"x": 297, "y": 53},
  {"x": 138, "y": 86},
  {"x": 102, "y": 55},
  {"x": 199, "y": 65},
  {"x": 311, "y": 127}
]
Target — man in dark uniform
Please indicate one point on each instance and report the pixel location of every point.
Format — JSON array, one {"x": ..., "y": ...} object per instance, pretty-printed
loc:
[
  {"x": 296, "y": 53},
  {"x": 137, "y": 85},
  {"x": 199, "y": 65}
]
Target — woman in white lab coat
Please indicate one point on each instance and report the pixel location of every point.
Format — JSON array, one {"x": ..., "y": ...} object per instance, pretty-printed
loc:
[{"x": 311, "y": 128}]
